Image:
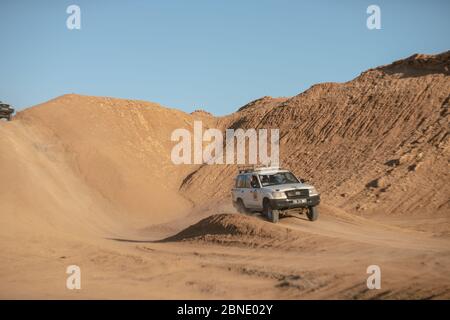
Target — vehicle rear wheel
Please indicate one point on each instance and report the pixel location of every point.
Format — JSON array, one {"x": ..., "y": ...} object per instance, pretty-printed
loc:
[
  {"x": 241, "y": 207},
  {"x": 271, "y": 214},
  {"x": 9, "y": 117},
  {"x": 312, "y": 213}
]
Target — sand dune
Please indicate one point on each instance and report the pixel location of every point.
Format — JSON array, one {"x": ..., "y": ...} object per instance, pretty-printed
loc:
[
  {"x": 89, "y": 181},
  {"x": 367, "y": 143}
]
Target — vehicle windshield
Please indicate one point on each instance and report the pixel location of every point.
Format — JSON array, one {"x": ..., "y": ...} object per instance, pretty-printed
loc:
[{"x": 277, "y": 178}]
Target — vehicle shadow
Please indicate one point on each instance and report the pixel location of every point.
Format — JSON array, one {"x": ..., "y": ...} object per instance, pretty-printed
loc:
[
  {"x": 133, "y": 240},
  {"x": 283, "y": 216}
]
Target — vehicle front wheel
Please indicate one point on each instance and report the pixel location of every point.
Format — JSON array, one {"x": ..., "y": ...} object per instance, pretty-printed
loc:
[
  {"x": 271, "y": 214},
  {"x": 312, "y": 213}
]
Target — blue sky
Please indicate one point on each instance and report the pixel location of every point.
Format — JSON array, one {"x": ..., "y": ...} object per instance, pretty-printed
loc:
[{"x": 211, "y": 54}]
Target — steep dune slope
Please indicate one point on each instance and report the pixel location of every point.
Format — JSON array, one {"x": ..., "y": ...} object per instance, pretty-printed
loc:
[
  {"x": 78, "y": 154},
  {"x": 376, "y": 144},
  {"x": 41, "y": 194}
]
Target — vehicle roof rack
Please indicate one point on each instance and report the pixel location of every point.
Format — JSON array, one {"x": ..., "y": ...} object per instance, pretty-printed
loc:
[{"x": 253, "y": 168}]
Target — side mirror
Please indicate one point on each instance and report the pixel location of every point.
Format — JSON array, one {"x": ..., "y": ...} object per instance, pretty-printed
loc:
[{"x": 302, "y": 180}]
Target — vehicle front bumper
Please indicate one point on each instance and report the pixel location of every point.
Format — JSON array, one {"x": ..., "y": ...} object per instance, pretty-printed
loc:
[{"x": 284, "y": 204}]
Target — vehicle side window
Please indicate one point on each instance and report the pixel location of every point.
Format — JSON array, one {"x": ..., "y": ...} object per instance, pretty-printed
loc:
[
  {"x": 254, "y": 182},
  {"x": 247, "y": 179},
  {"x": 240, "y": 181}
]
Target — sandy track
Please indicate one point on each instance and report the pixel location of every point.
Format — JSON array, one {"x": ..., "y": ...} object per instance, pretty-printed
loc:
[{"x": 323, "y": 259}]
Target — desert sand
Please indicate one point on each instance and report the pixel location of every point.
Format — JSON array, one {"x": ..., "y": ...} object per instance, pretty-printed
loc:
[{"x": 88, "y": 181}]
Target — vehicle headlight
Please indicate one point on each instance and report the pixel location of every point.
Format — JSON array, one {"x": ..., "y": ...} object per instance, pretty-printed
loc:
[
  {"x": 278, "y": 195},
  {"x": 313, "y": 192}
]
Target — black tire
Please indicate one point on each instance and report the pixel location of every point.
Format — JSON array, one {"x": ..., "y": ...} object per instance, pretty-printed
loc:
[
  {"x": 9, "y": 117},
  {"x": 312, "y": 214},
  {"x": 272, "y": 215},
  {"x": 241, "y": 207}
]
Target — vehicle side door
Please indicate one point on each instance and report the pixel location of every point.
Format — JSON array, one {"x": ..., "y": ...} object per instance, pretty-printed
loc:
[
  {"x": 254, "y": 197},
  {"x": 246, "y": 193},
  {"x": 235, "y": 191},
  {"x": 239, "y": 189}
]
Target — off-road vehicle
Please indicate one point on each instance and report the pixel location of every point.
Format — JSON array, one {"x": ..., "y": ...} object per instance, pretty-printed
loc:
[
  {"x": 6, "y": 111},
  {"x": 274, "y": 192}
]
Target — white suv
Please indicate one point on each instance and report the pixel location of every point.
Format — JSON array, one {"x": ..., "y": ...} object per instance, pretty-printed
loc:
[{"x": 274, "y": 191}]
